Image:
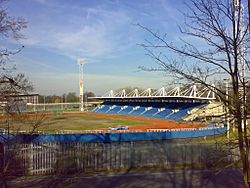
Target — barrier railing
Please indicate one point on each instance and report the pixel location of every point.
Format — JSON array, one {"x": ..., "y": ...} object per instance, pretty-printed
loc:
[
  {"x": 53, "y": 158},
  {"x": 115, "y": 131}
]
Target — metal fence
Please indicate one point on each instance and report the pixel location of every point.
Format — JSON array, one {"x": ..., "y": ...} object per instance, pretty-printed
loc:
[
  {"x": 64, "y": 158},
  {"x": 117, "y": 136}
]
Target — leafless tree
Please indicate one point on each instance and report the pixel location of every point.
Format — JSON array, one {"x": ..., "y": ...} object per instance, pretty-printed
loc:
[
  {"x": 11, "y": 84},
  {"x": 215, "y": 45}
]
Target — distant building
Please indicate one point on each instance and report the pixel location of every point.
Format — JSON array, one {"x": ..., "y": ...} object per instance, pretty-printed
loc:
[
  {"x": 26, "y": 98},
  {"x": 16, "y": 101}
]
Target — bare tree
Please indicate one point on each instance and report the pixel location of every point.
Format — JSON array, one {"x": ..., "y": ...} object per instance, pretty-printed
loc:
[
  {"x": 220, "y": 30},
  {"x": 11, "y": 84},
  {"x": 11, "y": 27}
]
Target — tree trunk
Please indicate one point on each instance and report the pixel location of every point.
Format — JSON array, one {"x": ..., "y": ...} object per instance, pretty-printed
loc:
[
  {"x": 4, "y": 182},
  {"x": 243, "y": 154}
]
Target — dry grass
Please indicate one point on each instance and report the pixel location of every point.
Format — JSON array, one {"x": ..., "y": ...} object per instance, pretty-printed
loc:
[{"x": 57, "y": 122}]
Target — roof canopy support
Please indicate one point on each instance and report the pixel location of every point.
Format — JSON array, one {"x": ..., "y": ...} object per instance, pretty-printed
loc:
[{"x": 191, "y": 92}]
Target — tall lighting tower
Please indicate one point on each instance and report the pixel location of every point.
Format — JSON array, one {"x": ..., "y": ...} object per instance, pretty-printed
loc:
[
  {"x": 239, "y": 24},
  {"x": 81, "y": 62}
]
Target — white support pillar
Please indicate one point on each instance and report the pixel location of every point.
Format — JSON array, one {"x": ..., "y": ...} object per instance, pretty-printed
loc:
[
  {"x": 149, "y": 92},
  {"x": 192, "y": 91},
  {"x": 195, "y": 90},
  {"x": 81, "y": 62},
  {"x": 163, "y": 92},
  {"x": 136, "y": 93},
  {"x": 123, "y": 94},
  {"x": 213, "y": 93},
  {"x": 111, "y": 93},
  {"x": 178, "y": 91},
  {"x": 208, "y": 94}
]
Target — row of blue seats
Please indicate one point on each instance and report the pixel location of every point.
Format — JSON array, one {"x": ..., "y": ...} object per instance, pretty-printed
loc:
[{"x": 171, "y": 112}]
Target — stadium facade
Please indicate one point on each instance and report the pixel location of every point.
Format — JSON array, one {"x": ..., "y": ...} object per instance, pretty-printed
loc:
[{"x": 176, "y": 104}]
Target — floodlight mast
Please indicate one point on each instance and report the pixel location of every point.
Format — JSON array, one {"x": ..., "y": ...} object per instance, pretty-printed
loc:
[
  {"x": 239, "y": 11},
  {"x": 81, "y": 62}
]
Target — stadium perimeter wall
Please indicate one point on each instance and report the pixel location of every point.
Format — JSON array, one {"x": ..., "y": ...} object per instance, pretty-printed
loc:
[{"x": 116, "y": 137}]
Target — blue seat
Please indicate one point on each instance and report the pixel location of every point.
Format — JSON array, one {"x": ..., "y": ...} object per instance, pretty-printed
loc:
[
  {"x": 183, "y": 112},
  {"x": 172, "y": 111},
  {"x": 126, "y": 110},
  {"x": 103, "y": 109},
  {"x": 115, "y": 110},
  {"x": 150, "y": 112},
  {"x": 163, "y": 114},
  {"x": 138, "y": 111}
]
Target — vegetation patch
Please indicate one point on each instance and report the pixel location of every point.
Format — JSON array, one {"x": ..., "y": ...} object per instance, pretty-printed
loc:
[{"x": 55, "y": 123}]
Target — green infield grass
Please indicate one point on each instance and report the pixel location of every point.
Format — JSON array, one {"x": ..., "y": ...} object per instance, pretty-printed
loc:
[{"x": 60, "y": 122}]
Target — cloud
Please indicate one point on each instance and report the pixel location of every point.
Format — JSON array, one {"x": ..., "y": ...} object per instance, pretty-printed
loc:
[
  {"x": 91, "y": 42},
  {"x": 59, "y": 32},
  {"x": 96, "y": 36},
  {"x": 94, "y": 31}
]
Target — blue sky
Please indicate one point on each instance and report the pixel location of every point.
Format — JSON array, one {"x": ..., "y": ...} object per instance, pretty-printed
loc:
[{"x": 102, "y": 32}]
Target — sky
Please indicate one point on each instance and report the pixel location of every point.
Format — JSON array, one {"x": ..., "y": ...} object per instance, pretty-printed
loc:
[{"x": 102, "y": 32}]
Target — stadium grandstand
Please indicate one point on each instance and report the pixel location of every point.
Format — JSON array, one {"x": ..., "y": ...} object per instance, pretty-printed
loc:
[
  {"x": 21, "y": 99},
  {"x": 176, "y": 104},
  {"x": 18, "y": 102}
]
